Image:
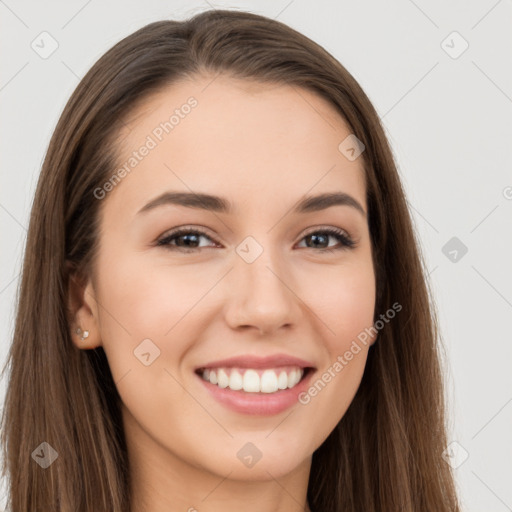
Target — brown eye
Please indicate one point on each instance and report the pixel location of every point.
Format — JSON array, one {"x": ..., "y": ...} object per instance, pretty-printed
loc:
[
  {"x": 322, "y": 236},
  {"x": 186, "y": 240}
]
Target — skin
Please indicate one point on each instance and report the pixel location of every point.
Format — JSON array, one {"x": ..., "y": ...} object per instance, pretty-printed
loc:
[{"x": 263, "y": 147}]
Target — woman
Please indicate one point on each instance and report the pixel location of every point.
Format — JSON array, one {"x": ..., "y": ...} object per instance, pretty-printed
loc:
[{"x": 187, "y": 336}]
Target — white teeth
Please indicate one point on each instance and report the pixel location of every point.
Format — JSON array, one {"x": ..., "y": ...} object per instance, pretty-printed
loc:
[
  {"x": 222, "y": 379},
  {"x": 254, "y": 381},
  {"x": 251, "y": 381},
  {"x": 268, "y": 382},
  {"x": 235, "y": 381},
  {"x": 294, "y": 378},
  {"x": 282, "y": 381}
]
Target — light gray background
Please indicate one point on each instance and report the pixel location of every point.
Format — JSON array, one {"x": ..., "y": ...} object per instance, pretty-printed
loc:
[{"x": 450, "y": 125}]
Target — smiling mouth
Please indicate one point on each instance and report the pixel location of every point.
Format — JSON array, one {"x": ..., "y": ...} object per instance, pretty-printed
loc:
[{"x": 252, "y": 380}]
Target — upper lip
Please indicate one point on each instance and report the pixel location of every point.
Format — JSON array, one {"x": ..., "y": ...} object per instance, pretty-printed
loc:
[{"x": 251, "y": 361}]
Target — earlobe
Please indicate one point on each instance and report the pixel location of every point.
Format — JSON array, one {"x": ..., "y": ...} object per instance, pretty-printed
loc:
[
  {"x": 83, "y": 334},
  {"x": 82, "y": 312}
]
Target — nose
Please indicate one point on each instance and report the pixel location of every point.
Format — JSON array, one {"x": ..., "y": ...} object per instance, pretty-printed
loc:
[{"x": 264, "y": 297}]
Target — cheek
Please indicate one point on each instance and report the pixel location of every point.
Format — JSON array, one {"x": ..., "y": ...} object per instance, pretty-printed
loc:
[
  {"x": 345, "y": 304},
  {"x": 140, "y": 301},
  {"x": 144, "y": 328},
  {"x": 344, "y": 300},
  {"x": 148, "y": 298}
]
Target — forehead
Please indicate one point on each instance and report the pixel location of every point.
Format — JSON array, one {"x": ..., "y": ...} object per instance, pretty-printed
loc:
[{"x": 254, "y": 142}]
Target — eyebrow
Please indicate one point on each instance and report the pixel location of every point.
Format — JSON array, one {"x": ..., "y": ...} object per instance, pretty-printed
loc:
[{"x": 218, "y": 204}]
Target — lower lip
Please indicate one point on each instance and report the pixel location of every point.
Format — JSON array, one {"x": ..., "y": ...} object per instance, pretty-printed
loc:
[{"x": 262, "y": 404}]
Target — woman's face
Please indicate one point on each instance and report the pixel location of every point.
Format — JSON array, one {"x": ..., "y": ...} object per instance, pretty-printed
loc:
[{"x": 260, "y": 297}]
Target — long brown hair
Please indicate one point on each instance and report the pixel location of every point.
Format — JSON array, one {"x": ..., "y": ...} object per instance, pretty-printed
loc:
[{"x": 384, "y": 455}]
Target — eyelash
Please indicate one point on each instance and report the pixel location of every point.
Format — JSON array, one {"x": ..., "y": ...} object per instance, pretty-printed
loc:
[{"x": 345, "y": 240}]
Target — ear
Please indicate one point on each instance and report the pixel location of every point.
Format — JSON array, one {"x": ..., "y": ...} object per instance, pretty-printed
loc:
[{"x": 82, "y": 310}]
